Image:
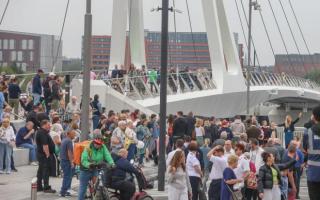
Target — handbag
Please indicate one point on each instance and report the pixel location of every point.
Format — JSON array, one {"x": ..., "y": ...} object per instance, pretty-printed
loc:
[{"x": 235, "y": 195}]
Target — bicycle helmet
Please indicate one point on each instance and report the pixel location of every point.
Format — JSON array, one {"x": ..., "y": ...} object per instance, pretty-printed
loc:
[{"x": 97, "y": 139}]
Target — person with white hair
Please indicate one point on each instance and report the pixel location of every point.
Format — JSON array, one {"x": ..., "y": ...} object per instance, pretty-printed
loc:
[
  {"x": 118, "y": 137},
  {"x": 72, "y": 107},
  {"x": 130, "y": 140}
]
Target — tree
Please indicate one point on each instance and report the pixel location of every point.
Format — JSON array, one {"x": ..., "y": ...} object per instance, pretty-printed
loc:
[{"x": 314, "y": 75}]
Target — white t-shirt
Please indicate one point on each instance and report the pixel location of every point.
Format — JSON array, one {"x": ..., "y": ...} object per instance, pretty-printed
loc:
[
  {"x": 243, "y": 166},
  {"x": 218, "y": 166},
  {"x": 192, "y": 161},
  {"x": 198, "y": 131},
  {"x": 228, "y": 153}
]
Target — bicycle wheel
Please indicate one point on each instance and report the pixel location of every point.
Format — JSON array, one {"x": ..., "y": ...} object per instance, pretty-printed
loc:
[
  {"x": 101, "y": 194},
  {"x": 114, "y": 197},
  {"x": 145, "y": 197}
]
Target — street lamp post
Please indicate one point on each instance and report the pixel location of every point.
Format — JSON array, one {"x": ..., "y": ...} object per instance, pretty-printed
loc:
[
  {"x": 163, "y": 93},
  {"x": 256, "y": 6},
  {"x": 86, "y": 73}
]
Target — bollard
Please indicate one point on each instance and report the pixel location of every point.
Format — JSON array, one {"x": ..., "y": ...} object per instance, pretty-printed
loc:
[{"x": 34, "y": 187}]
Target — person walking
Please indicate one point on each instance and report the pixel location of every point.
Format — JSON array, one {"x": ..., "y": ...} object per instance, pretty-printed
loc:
[
  {"x": 179, "y": 187},
  {"x": 14, "y": 94},
  {"x": 153, "y": 80},
  {"x": 194, "y": 170},
  {"x": 199, "y": 131},
  {"x": 229, "y": 178},
  {"x": 219, "y": 164},
  {"x": 66, "y": 162},
  {"x": 37, "y": 87},
  {"x": 179, "y": 127},
  {"x": 289, "y": 128},
  {"x": 311, "y": 144},
  {"x": 97, "y": 111},
  {"x": 45, "y": 150},
  {"x": 269, "y": 179}
]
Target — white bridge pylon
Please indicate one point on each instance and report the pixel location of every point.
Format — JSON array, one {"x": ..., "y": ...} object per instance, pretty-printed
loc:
[{"x": 225, "y": 64}]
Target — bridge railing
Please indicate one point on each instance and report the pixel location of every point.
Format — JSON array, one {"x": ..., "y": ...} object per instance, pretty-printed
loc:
[
  {"x": 299, "y": 131},
  {"x": 272, "y": 79},
  {"x": 141, "y": 87}
]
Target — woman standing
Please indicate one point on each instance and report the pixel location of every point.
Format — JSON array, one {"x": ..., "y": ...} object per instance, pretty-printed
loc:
[
  {"x": 289, "y": 128},
  {"x": 269, "y": 179},
  {"x": 229, "y": 178},
  {"x": 7, "y": 141},
  {"x": 179, "y": 187},
  {"x": 199, "y": 131},
  {"x": 194, "y": 170},
  {"x": 143, "y": 135}
]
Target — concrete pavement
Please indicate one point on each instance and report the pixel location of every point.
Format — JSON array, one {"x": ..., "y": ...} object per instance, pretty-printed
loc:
[{"x": 17, "y": 186}]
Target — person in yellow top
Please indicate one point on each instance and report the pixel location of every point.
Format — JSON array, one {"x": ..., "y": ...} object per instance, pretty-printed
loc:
[{"x": 92, "y": 157}]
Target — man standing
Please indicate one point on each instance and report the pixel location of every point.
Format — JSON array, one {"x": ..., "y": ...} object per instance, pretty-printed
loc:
[
  {"x": 73, "y": 107},
  {"x": 37, "y": 87},
  {"x": 47, "y": 83},
  {"x": 97, "y": 111},
  {"x": 191, "y": 121},
  {"x": 179, "y": 127},
  {"x": 14, "y": 94},
  {"x": 45, "y": 150},
  {"x": 67, "y": 165},
  {"x": 311, "y": 143},
  {"x": 56, "y": 93},
  {"x": 153, "y": 80}
]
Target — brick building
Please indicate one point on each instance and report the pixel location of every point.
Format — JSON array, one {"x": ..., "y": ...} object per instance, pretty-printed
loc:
[
  {"x": 296, "y": 65},
  {"x": 29, "y": 51},
  {"x": 185, "y": 50}
]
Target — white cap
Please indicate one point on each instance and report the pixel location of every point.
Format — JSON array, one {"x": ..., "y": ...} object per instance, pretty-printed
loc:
[
  {"x": 52, "y": 74},
  {"x": 12, "y": 77}
]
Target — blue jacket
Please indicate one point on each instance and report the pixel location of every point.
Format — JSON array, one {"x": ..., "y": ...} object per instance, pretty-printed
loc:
[
  {"x": 123, "y": 167},
  {"x": 36, "y": 84},
  {"x": 14, "y": 91},
  {"x": 1, "y": 101},
  {"x": 20, "y": 137}
]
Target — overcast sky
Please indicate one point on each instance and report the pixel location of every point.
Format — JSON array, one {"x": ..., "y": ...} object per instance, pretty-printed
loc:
[{"x": 45, "y": 16}]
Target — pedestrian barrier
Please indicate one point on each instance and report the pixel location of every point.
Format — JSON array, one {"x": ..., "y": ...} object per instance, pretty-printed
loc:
[{"x": 299, "y": 131}]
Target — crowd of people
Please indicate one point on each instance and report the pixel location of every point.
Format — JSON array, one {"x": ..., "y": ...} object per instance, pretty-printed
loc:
[{"x": 243, "y": 159}]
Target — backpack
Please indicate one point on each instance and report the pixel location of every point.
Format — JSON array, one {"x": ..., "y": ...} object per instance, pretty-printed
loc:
[
  {"x": 78, "y": 149},
  {"x": 251, "y": 181}
]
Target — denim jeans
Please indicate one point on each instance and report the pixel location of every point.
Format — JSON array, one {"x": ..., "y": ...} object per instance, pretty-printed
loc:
[
  {"x": 95, "y": 121},
  {"x": 67, "y": 176},
  {"x": 85, "y": 176},
  {"x": 32, "y": 151},
  {"x": 5, "y": 156},
  {"x": 131, "y": 151},
  {"x": 36, "y": 98}
]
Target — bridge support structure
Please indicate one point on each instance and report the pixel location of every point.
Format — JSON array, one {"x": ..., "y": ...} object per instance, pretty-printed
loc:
[{"x": 122, "y": 11}]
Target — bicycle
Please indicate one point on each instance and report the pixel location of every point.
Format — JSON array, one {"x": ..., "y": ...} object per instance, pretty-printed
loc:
[{"x": 96, "y": 188}]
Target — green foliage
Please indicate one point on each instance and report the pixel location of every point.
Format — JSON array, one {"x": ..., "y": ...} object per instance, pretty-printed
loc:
[
  {"x": 12, "y": 69},
  {"x": 314, "y": 75}
]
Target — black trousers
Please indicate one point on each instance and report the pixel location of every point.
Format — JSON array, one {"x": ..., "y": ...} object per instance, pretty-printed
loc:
[
  {"x": 313, "y": 189},
  {"x": 43, "y": 173},
  {"x": 126, "y": 188},
  {"x": 251, "y": 194},
  {"x": 214, "y": 192},
  {"x": 194, "y": 182}
]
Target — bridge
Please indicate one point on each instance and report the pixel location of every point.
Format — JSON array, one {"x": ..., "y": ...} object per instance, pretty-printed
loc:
[{"x": 220, "y": 90}]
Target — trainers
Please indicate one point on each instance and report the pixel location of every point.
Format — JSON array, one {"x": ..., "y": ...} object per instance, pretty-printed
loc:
[
  {"x": 34, "y": 163},
  {"x": 49, "y": 191},
  {"x": 1, "y": 172},
  {"x": 67, "y": 194},
  {"x": 8, "y": 172}
]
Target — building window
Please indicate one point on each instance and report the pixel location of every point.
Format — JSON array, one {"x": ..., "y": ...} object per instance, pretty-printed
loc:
[
  {"x": 31, "y": 56},
  {"x": 13, "y": 55},
  {"x": 23, "y": 44},
  {"x": 5, "y": 44},
  {"x": 30, "y": 44},
  {"x": 11, "y": 45},
  {"x": 20, "y": 56}
]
